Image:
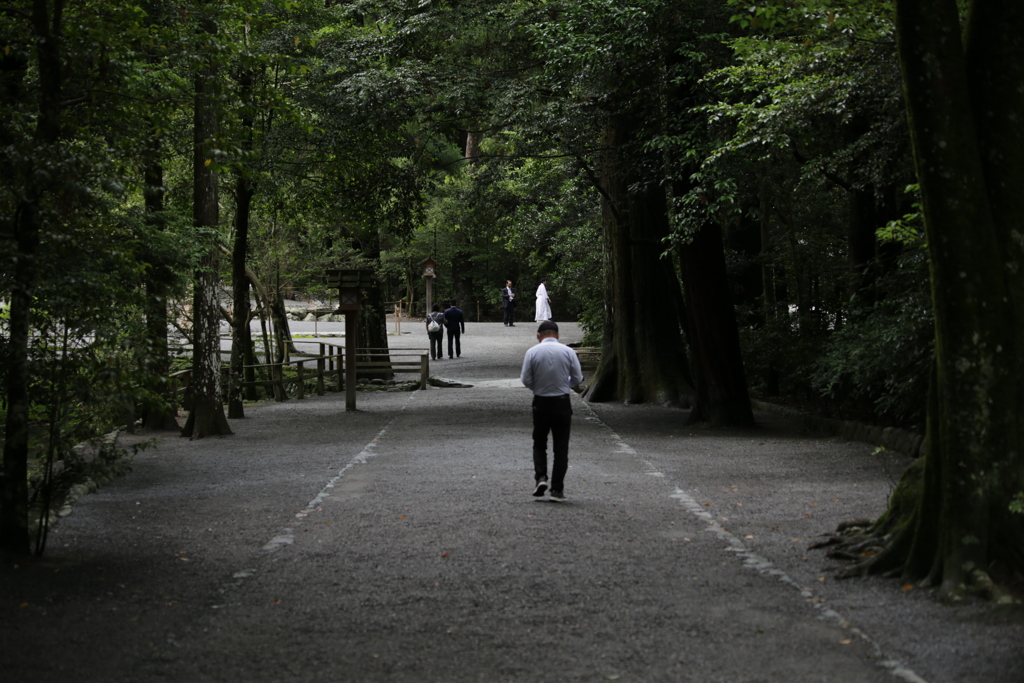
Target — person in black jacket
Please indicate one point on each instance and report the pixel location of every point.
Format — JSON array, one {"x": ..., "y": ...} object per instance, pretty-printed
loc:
[
  {"x": 436, "y": 338},
  {"x": 455, "y": 323},
  {"x": 508, "y": 302}
]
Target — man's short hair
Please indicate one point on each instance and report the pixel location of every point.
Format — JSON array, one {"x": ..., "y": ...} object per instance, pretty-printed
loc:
[
  {"x": 452, "y": 302},
  {"x": 435, "y": 307},
  {"x": 546, "y": 326}
]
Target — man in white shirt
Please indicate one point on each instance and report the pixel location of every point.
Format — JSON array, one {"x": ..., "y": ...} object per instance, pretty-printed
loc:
[{"x": 550, "y": 370}]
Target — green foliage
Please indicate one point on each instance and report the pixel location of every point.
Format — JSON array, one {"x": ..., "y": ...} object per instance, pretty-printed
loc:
[
  {"x": 1017, "y": 504},
  {"x": 908, "y": 230},
  {"x": 881, "y": 357}
]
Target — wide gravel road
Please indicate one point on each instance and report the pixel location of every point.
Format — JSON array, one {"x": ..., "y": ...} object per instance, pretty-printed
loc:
[{"x": 401, "y": 543}]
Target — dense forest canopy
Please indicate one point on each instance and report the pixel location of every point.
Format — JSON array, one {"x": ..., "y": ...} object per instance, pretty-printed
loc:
[{"x": 730, "y": 197}]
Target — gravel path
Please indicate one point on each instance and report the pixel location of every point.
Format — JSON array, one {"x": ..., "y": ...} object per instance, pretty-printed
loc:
[{"x": 401, "y": 543}]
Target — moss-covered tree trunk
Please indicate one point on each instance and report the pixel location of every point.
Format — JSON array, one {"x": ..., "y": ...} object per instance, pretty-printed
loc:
[
  {"x": 643, "y": 358},
  {"x": 964, "y": 112}
]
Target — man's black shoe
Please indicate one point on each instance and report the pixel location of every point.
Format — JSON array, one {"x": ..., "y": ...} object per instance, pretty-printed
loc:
[
  {"x": 542, "y": 486},
  {"x": 557, "y": 496}
]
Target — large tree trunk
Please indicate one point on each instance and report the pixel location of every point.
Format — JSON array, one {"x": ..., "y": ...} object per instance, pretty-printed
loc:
[
  {"x": 284, "y": 345},
  {"x": 860, "y": 239},
  {"x": 241, "y": 336},
  {"x": 245, "y": 189},
  {"x": 157, "y": 416},
  {"x": 714, "y": 341},
  {"x": 14, "y": 493},
  {"x": 206, "y": 417},
  {"x": 373, "y": 327},
  {"x": 643, "y": 358},
  {"x": 969, "y": 152},
  {"x": 46, "y": 25}
]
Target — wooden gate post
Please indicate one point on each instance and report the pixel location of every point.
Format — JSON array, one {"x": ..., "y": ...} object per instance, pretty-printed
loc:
[
  {"x": 351, "y": 341},
  {"x": 348, "y": 283}
]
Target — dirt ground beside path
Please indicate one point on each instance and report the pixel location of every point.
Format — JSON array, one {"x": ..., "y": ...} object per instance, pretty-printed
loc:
[{"x": 401, "y": 543}]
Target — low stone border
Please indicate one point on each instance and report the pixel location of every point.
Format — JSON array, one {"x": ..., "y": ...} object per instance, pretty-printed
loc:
[
  {"x": 82, "y": 471},
  {"x": 892, "y": 438}
]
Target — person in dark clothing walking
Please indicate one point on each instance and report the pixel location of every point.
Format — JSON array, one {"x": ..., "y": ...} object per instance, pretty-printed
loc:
[
  {"x": 453, "y": 321},
  {"x": 435, "y": 319},
  {"x": 508, "y": 303},
  {"x": 550, "y": 370}
]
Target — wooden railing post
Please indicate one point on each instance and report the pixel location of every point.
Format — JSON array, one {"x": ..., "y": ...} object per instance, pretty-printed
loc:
[
  {"x": 186, "y": 398},
  {"x": 300, "y": 371},
  {"x": 277, "y": 374},
  {"x": 320, "y": 374},
  {"x": 424, "y": 370}
]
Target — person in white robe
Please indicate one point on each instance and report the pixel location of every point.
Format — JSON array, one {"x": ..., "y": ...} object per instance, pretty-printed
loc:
[{"x": 543, "y": 302}]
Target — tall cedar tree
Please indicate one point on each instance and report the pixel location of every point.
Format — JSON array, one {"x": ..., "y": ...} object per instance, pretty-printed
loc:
[
  {"x": 207, "y": 416},
  {"x": 46, "y": 21},
  {"x": 963, "y": 108}
]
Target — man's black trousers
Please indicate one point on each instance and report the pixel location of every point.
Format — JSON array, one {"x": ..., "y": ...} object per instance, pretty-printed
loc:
[
  {"x": 436, "y": 341},
  {"x": 456, "y": 336},
  {"x": 551, "y": 414}
]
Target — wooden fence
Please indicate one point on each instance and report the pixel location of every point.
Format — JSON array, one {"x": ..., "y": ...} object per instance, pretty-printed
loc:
[
  {"x": 589, "y": 357},
  {"x": 326, "y": 368}
]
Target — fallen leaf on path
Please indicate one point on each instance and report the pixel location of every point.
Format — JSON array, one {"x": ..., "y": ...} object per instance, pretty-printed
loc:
[
  {"x": 908, "y": 587},
  {"x": 845, "y": 642},
  {"x": 445, "y": 554}
]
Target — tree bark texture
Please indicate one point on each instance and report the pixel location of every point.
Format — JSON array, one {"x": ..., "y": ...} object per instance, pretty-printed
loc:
[
  {"x": 245, "y": 189},
  {"x": 643, "y": 359},
  {"x": 968, "y": 151},
  {"x": 46, "y": 26},
  {"x": 711, "y": 332},
  {"x": 241, "y": 337},
  {"x": 373, "y": 327},
  {"x": 206, "y": 418}
]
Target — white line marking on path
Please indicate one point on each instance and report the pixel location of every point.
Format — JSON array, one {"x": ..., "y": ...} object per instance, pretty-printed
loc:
[
  {"x": 286, "y": 536},
  {"x": 751, "y": 559}
]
